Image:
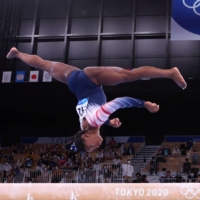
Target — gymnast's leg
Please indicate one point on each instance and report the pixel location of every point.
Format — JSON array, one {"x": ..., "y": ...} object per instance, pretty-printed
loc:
[
  {"x": 115, "y": 75},
  {"x": 57, "y": 70}
]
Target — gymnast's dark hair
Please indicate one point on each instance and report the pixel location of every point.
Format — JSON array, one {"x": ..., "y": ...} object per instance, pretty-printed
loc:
[{"x": 76, "y": 142}]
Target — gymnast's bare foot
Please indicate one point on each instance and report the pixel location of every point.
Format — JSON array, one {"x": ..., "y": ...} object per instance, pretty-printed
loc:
[
  {"x": 12, "y": 53},
  {"x": 178, "y": 78}
]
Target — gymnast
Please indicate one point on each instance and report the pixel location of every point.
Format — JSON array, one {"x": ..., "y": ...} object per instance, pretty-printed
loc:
[{"x": 86, "y": 84}]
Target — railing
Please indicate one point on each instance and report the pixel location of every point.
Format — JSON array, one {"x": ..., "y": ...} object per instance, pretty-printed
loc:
[
  {"x": 91, "y": 176},
  {"x": 179, "y": 180},
  {"x": 79, "y": 176},
  {"x": 113, "y": 173},
  {"x": 173, "y": 179}
]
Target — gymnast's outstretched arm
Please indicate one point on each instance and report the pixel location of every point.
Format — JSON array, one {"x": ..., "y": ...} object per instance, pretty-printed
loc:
[{"x": 102, "y": 114}]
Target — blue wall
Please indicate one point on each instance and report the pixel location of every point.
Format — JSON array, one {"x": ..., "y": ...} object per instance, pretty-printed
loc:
[{"x": 179, "y": 138}]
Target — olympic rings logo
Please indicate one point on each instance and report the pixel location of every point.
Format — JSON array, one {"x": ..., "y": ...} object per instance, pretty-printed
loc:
[
  {"x": 194, "y": 7},
  {"x": 190, "y": 192}
]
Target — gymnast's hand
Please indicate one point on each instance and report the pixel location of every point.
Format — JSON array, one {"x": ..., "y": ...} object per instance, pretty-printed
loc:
[
  {"x": 115, "y": 123},
  {"x": 151, "y": 107}
]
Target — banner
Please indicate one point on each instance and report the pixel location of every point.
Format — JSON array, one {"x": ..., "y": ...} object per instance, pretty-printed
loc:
[
  {"x": 184, "y": 138},
  {"x": 44, "y": 140},
  {"x": 185, "y": 20},
  {"x": 34, "y": 76},
  {"x": 20, "y": 76},
  {"x": 126, "y": 139},
  {"x": 6, "y": 77},
  {"x": 47, "y": 77},
  {"x": 102, "y": 191}
]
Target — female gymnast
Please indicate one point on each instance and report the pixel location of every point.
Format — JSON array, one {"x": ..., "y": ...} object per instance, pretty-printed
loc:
[{"x": 86, "y": 84}]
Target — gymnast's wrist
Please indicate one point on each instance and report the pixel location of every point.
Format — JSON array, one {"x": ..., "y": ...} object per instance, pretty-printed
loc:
[{"x": 107, "y": 122}]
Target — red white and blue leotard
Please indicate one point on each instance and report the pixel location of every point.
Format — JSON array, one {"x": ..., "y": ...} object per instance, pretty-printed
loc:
[
  {"x": 97, "y": 115},
  {"x": 92, "y": 103}
]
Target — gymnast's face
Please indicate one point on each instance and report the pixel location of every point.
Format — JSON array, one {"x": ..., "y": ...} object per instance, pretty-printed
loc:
[{"x": 92, "y": 140}]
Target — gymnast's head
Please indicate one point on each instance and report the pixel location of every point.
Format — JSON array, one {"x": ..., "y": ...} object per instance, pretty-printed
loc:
[{"x": 87, "y": 140}]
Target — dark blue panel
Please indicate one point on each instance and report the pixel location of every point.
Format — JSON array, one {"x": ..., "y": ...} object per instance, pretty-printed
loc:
[
  {"x": 136, "y": 139},
  {"x": 182, "y": 138},
  {"x": 30, "y": 140}
]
